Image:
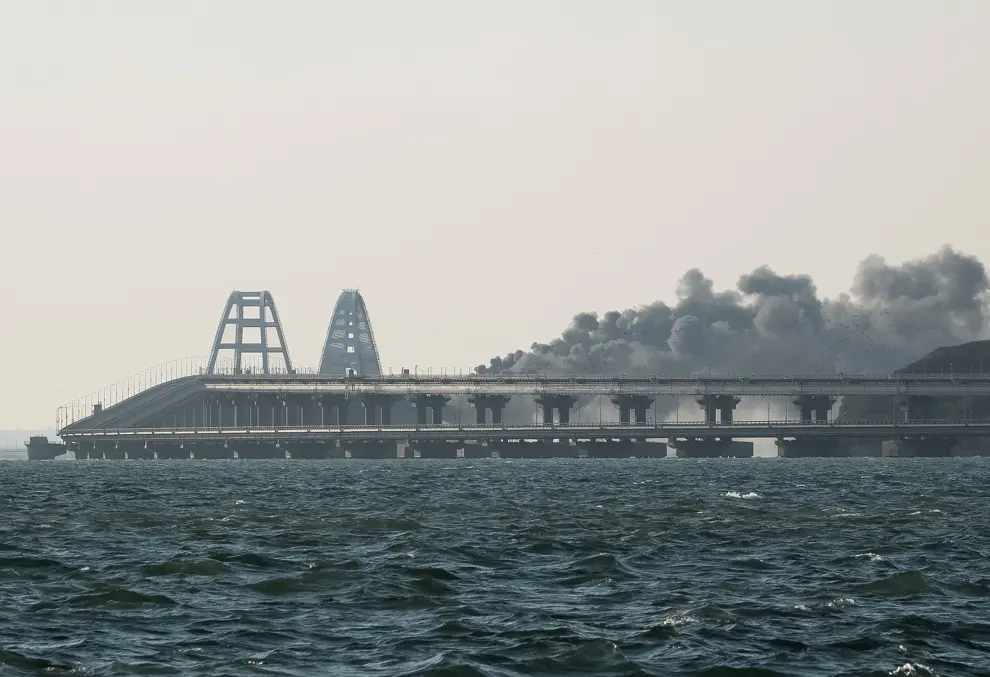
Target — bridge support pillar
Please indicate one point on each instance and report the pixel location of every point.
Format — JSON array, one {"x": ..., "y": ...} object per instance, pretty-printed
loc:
[
  {"x": 638, "y": 405},
  {"x": 711, "y": 447},
  {"x": 137, "y": 450},
  {"x": 718, "y": 408},
  {"x": 484, "y": 403},
  {"x": 427, "y": 405},
  {"x": 169, "y": 450},
  {"x": 622, "y": 449},
  {"x": 110, "y": 451},
  {"x": 814, "y": 408},
  {"x": 378, "y": 409},
  {"x": 811, "y": 447},
  {"x": 561, "y": 404},
  {"x": 210, "y": 450},
  {"x": 919, "y": 446},
  {"x": 259, "y": 450},
  {"x": 336, "y": 410}
]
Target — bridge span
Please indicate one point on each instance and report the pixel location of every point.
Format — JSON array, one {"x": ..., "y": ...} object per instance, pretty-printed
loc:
[
  {"x": 220, "y": 402},
  {"x": 689, "y": 439},
  {"x": 931, "y": 385}
]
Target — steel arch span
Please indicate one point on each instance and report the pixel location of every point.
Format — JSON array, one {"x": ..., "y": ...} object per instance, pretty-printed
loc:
[
  {"x": 252, "y": 310},
  {"x": 350, "y": 343}
]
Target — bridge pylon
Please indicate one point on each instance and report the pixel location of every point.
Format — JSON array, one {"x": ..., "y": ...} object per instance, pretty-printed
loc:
[
  {"x": 350, "y": 346},
  {"x": 250, "y": 310}
]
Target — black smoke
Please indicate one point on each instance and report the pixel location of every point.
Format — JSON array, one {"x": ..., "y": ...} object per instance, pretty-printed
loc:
[{"x": 777, "y": 323}]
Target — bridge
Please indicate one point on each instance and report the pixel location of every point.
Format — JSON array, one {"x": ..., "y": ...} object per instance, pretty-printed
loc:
[{"x": 349, "y": 402}]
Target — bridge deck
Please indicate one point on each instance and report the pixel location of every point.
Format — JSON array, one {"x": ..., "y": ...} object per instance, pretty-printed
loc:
[
  {"x": 907, "y": 384},
  {"x": 737, "y": 429}
]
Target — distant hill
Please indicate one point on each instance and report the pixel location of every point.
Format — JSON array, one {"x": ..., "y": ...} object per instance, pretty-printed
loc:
[{"x": 972, "y": 357}]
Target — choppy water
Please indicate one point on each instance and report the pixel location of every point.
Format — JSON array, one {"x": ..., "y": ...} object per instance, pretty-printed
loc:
[{"x": 501, "y": 568}]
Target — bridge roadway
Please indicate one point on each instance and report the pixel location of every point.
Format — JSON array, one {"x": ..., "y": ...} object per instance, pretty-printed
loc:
[
  {"x": 508, "y": 385},
  {"x": 669, "y": 430}
]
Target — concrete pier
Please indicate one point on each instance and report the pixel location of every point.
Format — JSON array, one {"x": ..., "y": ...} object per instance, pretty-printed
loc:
[
  {"x": 718, "y": 408},
  {"x": 919, "y": 447},
  {"x": 541, "y": 449},
  {"x": 712, "y": 448},
  {"x": 111, "y": 451},
  {"x": 556, "y": 404},
  {"x": 309, "y": 450},
  {"x": 473, "y": 450},
  {"x": 812, "y": 447},
  {"x": 210, "y": 451},
  {"x": 372, "y": 450},
  {"x": 434, "y": 449},
  {"x": 259, "y": 450},
  {"x": 169, "y": 451},
  {"x": 637, "y": 405},
  {"x": 429, "y": 408},
  {"x": 622, "y": 449},
  {"x": 378, "y": 409},
  {"x": 485, "y": 403},
  {"x": 814, "y": 408},
  {"x": 139, "y": 451}
]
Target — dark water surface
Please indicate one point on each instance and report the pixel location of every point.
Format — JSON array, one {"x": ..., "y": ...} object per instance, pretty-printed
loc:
[{"x": 715, "y": 568}]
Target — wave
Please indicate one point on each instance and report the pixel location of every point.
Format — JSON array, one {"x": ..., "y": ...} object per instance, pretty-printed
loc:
[
  {"x": 118, "y": 596},
  {"x": 903, "y": 584}
]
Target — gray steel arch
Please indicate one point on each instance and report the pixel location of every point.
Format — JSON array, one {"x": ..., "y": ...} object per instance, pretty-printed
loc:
[
  {"x": 234, "y": 314},
  {"x": 350, "y": 342}
]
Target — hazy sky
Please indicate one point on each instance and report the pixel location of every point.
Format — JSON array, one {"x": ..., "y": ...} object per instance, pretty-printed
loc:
[{"x": 482, "y": 171}]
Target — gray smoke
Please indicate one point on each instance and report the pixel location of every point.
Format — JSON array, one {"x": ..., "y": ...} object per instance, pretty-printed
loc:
[{"x": 773, "y": 324}]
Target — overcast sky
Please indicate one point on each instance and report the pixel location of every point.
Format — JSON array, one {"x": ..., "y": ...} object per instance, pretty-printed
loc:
[{"x": 481, "y": 170}]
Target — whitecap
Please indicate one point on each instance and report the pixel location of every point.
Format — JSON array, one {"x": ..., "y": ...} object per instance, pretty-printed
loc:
[
  {"x": 736, "y": 494},
  {"x": 873, "y": 557},
  {"x": 238, "y": 502},
  {"x": 912, "y": 670},
  {"x": 678, "y": 620},
  {"x": 840, "y": 603}
]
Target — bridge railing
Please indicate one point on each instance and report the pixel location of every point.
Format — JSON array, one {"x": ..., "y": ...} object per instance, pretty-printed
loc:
[{"x": 152, "y": 377}]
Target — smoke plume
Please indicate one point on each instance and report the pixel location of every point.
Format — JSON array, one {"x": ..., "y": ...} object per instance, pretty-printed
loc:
[{"x": 774, "y": 324}]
